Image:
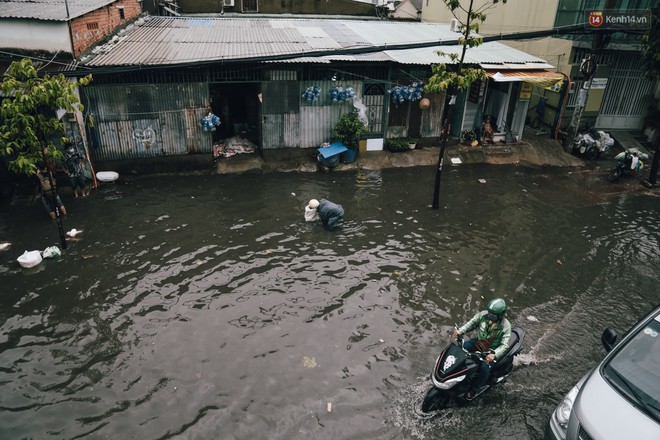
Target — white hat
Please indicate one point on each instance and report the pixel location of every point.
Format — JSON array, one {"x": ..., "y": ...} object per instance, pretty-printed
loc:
[{"x": 313, "y": 204}]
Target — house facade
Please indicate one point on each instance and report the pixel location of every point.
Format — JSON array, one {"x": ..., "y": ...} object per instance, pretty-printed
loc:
[
  {"x": 154, "y": 83},
  {"x": 69, "y": 27},
  {"x": 621, "y": 95}
]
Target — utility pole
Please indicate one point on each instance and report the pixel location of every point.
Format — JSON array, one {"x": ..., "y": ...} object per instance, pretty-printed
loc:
[
  {"x": 587, "y": 68},
  {"x": 448, "y": 112},
  {"x": 53, "y": 200}
]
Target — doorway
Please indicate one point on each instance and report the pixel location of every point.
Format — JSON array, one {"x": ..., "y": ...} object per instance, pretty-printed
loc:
[{"x": 239, "y": 109}]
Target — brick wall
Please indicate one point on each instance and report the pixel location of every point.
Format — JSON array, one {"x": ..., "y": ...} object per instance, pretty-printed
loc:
[{"x": 94, "y": 26}]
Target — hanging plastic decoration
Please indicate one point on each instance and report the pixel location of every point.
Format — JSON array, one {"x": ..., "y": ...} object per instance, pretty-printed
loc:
[
  {"x": 341, "y": 94},
  {"x": 209, "y": 122},
  {"x": 412, "y": 92},
  {"x": 311, "y": 93}
]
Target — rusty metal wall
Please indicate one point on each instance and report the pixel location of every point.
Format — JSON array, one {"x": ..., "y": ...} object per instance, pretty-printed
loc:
[
  {"x": 432, "y": 117},
  {"x": 134, "y": 121},
  {"x": 308, "y": 123}
]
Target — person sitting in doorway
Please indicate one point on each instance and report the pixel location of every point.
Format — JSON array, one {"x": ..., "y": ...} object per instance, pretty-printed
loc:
[{"x": 487, "y": 132}]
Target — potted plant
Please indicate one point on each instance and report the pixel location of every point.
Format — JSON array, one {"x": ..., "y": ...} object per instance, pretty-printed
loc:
[
  {"x": 412, "y": 144},
  {"x": 348, "y": 131},
  {"x": 397, "y": 145}
]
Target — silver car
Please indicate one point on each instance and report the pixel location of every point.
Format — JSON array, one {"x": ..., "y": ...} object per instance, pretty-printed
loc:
[{"x": 620, "y": 398}]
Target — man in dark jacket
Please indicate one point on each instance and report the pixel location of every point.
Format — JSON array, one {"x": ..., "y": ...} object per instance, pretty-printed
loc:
[
  {"x": 330, "y": 213},
  {"x": 493, "y": 333},
  {"x": 73, "y": 166}
]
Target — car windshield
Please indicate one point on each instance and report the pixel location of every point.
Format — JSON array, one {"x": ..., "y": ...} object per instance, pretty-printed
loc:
[{"x": 635, "y": 369}]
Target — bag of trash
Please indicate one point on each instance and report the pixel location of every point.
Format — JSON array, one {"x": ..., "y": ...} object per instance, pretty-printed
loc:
[
  {"x": 29, "y": 259},
  {"x": 51, "y": 252}
]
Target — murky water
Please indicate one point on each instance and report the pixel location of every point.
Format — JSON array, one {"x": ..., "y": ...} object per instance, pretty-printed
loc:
[{"x": 204, "y": 307}]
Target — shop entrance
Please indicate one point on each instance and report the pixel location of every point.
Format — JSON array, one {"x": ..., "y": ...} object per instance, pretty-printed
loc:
[{"x": 239, "y": 109}]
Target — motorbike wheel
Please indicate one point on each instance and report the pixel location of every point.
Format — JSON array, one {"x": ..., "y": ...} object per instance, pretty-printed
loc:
[
  {"x": 434, "y": 400},
  {"x": 592, "y": 153},
  {"x": 614, "y": 174}
]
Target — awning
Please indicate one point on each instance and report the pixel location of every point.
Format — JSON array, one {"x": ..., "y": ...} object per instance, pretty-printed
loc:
[
  {"x": 332, "y": 149},
  {"x": 538, "y": 77}
]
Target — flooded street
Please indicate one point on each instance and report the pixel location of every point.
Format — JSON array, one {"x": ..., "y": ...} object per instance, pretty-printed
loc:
[{"x": 204, "y": 307}]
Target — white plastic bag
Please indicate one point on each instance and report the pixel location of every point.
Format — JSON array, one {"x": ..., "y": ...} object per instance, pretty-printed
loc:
[
  {"x": 51, "y": 252},
  {"x": 29, "y": 259}
]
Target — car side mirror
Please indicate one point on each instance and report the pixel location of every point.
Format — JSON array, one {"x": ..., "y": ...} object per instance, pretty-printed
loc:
[{"x": 609, "y": 338}]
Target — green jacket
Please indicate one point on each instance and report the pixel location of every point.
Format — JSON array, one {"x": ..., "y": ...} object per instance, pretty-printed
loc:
[{"x": 500, "y": 333}]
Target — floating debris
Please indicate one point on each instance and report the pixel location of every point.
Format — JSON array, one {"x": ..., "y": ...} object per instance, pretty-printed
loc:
[
  {"x": 309, "y": 362},
  {"x": 73, "y": 232}
]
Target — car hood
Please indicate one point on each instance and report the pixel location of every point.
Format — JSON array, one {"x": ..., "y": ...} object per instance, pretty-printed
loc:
[{"x": 606, "y": 414}]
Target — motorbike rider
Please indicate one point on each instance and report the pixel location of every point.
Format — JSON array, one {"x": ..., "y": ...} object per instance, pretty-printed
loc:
[{"x": 493, "y": 333}]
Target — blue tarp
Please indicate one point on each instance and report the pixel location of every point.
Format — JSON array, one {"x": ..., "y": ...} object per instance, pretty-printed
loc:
[{"x": 332, "y": 149}]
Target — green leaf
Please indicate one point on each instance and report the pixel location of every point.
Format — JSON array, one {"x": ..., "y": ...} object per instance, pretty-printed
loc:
[{"x": 27, "y": 119}]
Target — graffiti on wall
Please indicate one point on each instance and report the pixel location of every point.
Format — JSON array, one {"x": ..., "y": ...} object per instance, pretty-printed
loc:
[{"x": 146, "y": 136}]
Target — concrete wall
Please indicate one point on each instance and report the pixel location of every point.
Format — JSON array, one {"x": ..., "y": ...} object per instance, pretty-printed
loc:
[
  {"x": 27, "y": 34},
  {"x": 53, "y": 36},
  {"x": 514, "y": 16}
]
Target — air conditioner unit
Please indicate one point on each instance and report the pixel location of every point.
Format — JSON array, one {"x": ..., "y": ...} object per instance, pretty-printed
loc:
[{"x": 228, "y": 2}]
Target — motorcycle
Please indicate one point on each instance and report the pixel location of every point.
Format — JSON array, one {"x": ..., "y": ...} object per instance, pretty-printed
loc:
[
  {"x": 456, "y": 368},
  {"x": 631, "y": 160},
  {"x": 592, "y": 143}
]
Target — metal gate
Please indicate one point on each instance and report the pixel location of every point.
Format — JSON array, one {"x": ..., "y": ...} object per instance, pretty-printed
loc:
[
  {"x": 374, "y": 100},
  {"x": 625, "y": 93}
]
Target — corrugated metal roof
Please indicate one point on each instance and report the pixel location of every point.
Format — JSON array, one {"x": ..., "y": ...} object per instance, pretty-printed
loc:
[
  {"x": 55, "y": 10},
  {"x": 158, "y": 41}
]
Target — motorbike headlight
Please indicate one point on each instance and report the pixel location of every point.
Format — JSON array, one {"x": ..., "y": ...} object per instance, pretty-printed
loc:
[{"x": 563, "y": 411}]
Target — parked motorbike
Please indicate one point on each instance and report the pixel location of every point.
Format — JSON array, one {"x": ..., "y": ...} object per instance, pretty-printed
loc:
[
  {"x": 629, "y": 161},
  {"x": 592, "y": 143},
  {"x": 456, "y": 368}
]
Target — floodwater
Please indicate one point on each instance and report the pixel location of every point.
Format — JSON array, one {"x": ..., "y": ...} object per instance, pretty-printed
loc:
[{"x": 204, "y": 307}]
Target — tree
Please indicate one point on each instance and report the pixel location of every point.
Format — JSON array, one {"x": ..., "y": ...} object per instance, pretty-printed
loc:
[
  {"x": 452, "y": 79},
  {"x": 28, "y": 119},
  {"x": 29, "y": 125}
]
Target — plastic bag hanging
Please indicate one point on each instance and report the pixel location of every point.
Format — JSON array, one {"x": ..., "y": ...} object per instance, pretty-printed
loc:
[
  {"x": 412, "y": 92},
  {"x": 209, "y": 122},
  {"x": 341, "y": 94},
  {"x": 311, "y": 93}
]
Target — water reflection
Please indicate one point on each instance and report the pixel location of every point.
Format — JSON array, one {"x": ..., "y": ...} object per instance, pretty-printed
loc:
[{"x": 205, "y": 307}]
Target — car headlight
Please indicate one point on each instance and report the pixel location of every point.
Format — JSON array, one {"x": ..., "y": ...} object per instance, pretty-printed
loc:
[{"x": 563, "y": 411}]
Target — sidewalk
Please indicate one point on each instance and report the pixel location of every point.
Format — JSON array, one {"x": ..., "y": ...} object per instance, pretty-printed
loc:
[{"x": 531, "y": 151}]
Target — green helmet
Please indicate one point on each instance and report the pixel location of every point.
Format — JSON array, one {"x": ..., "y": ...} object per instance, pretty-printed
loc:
[{"x": 497, "y": 306}]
